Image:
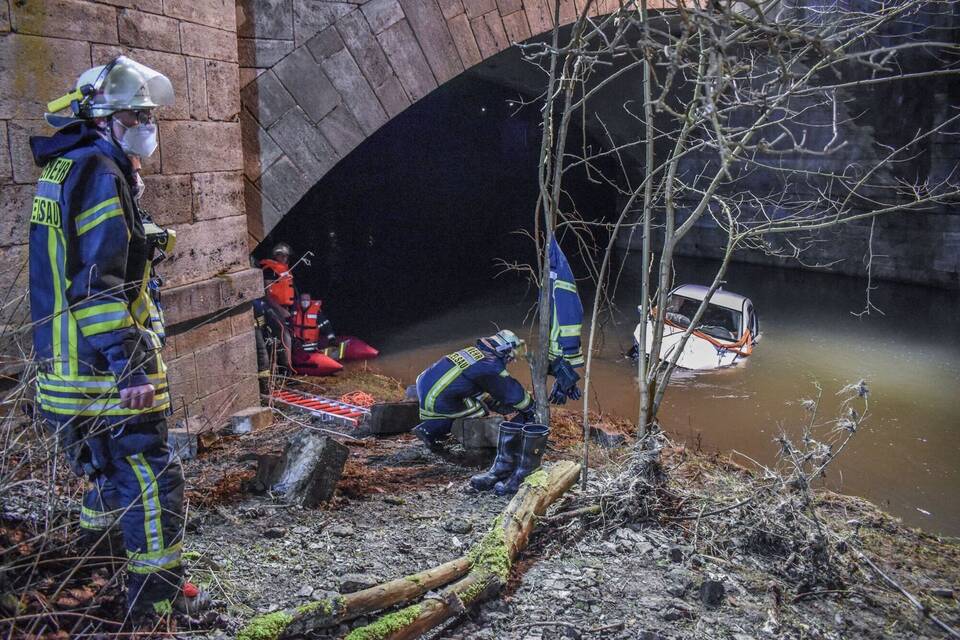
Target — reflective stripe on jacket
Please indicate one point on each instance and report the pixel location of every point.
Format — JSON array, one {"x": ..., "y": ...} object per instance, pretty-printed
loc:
[
  {"x": 97, "y": 325},
  {"x": 450, "y": 388}
]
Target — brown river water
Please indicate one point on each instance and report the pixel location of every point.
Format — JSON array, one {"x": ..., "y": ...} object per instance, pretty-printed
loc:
[{"x": 905, "y": 457}]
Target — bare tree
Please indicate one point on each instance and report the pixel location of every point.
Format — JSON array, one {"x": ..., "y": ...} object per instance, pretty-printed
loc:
[{"x": 732, "y": 95}]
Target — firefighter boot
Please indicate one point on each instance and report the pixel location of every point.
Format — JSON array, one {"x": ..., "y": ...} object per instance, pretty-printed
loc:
[
  {"x": 508, "y": 454},
  {"x": 531, "y": 453}
]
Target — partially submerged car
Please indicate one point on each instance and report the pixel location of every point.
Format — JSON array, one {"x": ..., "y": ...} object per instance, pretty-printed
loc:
[{"x": 724, "y": 336}]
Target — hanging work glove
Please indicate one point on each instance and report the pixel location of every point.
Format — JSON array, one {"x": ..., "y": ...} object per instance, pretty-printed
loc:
[{"x": 566, "y": 384}]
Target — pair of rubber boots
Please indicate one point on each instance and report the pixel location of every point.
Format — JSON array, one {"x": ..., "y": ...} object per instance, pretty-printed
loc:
[{"x": 520, "y": 450}]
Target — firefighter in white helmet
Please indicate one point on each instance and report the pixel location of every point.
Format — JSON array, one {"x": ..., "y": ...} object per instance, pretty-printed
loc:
[{"x": 97, "y": 324}]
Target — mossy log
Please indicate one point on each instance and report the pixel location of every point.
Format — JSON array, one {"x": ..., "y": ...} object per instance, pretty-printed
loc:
[
  {"x": 330, "y": 612},
  {"x": 490, "y": 559}
]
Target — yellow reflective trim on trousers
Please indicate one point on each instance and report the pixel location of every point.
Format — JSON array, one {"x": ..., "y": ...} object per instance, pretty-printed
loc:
[
  {"x": 150, "y": 496},
  {"x": 103, "y": 217},
  {"x": 96, "y": 520},
  {"x": 473, "y": 409},
  {"x": 445, "y": 380},
  {"x": 97, "y": 207},
  {"x": 154, "y": 561}
]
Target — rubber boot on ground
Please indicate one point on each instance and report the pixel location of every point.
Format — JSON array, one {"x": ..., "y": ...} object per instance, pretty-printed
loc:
[
  {"x": 508, "y": 455},
  {"x": 531, "y": 454}
]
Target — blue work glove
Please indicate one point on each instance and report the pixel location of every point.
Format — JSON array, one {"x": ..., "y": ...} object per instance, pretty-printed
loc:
[
  {"x": 557, "y": 394},
  {"x": 566, "y": 384}
]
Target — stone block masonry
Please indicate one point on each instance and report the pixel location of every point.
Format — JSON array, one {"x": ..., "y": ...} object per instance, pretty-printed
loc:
[
  {"x": 194, "y": 182},
  {"x": 334, "y": 72}
]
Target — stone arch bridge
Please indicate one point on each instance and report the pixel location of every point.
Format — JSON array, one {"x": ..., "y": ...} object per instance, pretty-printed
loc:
[{"x": 319, "y": 77}]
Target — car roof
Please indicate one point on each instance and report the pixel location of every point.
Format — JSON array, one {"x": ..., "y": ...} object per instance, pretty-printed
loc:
[{"x": 721, "y": 298}]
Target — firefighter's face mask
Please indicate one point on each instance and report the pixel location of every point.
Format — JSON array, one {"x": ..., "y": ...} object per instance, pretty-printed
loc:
[
  {"x": 136, "y": 131},
  {"x": 304, "y": 303}
]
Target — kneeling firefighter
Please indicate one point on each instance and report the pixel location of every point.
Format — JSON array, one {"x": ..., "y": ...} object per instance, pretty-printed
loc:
[{"x": 459, "y": 385}]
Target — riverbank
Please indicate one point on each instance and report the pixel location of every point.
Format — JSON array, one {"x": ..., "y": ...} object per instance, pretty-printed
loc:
[
  {"x": 714, "y": 550},
  {"x": 400, "y": 509}
]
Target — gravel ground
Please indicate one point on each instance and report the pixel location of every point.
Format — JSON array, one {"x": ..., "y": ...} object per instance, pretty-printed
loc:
[{"x": 633, "y": 583}]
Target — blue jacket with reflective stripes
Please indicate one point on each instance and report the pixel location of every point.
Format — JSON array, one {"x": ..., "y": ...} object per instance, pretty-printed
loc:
[
  {"x": 451, "y": 387},
  {"x": 97, "y": 325},
  {"x": 567, "y": 312}
]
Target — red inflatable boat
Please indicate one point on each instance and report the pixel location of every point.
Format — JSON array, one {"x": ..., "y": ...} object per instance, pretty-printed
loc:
[{"x": 314, "y": 363}]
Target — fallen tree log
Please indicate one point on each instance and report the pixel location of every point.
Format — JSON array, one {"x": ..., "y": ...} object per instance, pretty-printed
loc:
[
  {"x": 333, "y": 611},
  {"x": 488, "y": 564},
  {"x": 490, "y": 559}
]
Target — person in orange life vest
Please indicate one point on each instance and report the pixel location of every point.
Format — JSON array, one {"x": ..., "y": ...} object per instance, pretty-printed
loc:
[
  {"x": 280, "y": 296},
  {"x": 310, "y": 326}
]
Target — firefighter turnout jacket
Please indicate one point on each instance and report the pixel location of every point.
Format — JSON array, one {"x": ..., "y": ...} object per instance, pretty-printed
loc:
[
  {"x": 452, "y": 386},
  {"x": 97, "y": 323},
  {"x": 567, "y": 311}
]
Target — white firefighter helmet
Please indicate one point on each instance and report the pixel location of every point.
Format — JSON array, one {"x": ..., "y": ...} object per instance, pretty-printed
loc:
[
  {"x": 282, "y": 247},
  {"x": 505, "y": 344},
  {"x": 123, "y": 84}
]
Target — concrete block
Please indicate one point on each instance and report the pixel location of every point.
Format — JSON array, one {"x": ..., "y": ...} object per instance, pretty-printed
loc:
[
  {"x": 325, "y": 44},
  {"x": 227, "y": 363},
  {"x": 539, "y": 16},
  {"x": 307, "y": 83},
  {"x": 429, "y": 26},
  {"x": 268, "y": 472},
  {"x": 477, "y": 433},
  {"x": 212, "y": 13},
  {"x": 72, "y": 19},
  {"x": 207, "y": 248},
  {"x": 364, "y": 47},
  {"x": 168, "y": 198},
  {"x": 197, "y": 88},
  {"x": 191, "y": 147},
  {"x": 392, "y": 96},
  {"x": 169, "y": 64},
  {"x": 313, "y": 16},
  {"x": 6, "y": 170},
  {"x": 148, "y": 30},
  {"x": 220, "y": 404},
  {"x": 207, "y": 42},
  {"x": 506, "y": 7},
  {"x": 13, "y": 279},
  {"x": 568, "y": 11},
  {"x": 217, "y": 195},
  {"x": 182, "y": 378},
  {"x": 382, "y": 14},
  {"x": 194, "y": 300},
  {"x": 258, "y": 52},
  {"x": 490, "y": 34},
  {"x": 476, "y": 8},
  {"x": 284, "y": 184},
  {"x": 241, "y": 287},
  {"x": 267, "y": 99},
  {"x": 388, "y": 418},
  {"x": 265, "y": 19},
  {"x": 242, "y": 320},
  {"x": 515, "y": 24},
  {"x": 248, "y": 75},
  {"x": 408, "y": 62},
  {"x": 341, "y": 130},
  {"x": 463, "y": 38},
  {"x": 355, "y": 90},
  {"x": 182, "y": 443},
  {"x": 259, "y": 149},
  {"x": 204, "y": 335},
  {"x": 251, "y": 419},
  {"x": 303, "y": 144},
  {"x": 51, "y": 65},
  {"x": 4, "y": 18},
  {"x": 150, "y": 6},
  {"x": 312, "y": 465},
  {"x": 223, "y": 90},
  {"x": 260, "y": 212},
  {"x": 15, "y": 206},
  {"x": 24, "y": 169},
  {"x": 450, "y": 8}
]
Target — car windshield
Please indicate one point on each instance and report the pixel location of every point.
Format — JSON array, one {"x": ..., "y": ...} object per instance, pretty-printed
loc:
[{"x": 718, "y": 322}]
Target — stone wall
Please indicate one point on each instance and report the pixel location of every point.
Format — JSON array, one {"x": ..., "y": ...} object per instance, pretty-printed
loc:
[
  {"x": 194, "y": 181},
  {"x": 318, "y": 77}
]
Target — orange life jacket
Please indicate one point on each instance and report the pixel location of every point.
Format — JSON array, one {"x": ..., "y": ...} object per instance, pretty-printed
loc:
[
  {"x": 306, "y": 322},
  {"x": 281, "y": 289}
]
